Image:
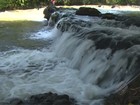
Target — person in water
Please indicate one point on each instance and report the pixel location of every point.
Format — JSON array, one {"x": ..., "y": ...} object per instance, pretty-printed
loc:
[
  {"x": 53, "y": 1},
  {"x": 49, "y": 10}
]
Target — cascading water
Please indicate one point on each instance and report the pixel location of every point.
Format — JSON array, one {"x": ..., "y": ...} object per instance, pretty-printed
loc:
[{"x": 88, "y": 59}]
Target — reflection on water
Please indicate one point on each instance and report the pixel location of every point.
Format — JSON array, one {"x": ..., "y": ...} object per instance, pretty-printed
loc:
[
  {"x": 130, "y": 13},
  {"x": 121, "y": 12},
  {"x": 14, "y": 33}
]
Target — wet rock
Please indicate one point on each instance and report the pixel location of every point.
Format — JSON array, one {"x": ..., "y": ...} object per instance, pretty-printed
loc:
[
  {"x": 62, "y": 102},
  {"x": 46, "y": 13},
  {"x": 88, "y": 11},
  {"x": 50, "y": 99},
  {"x": 53, "y": 19},
  {"x": 103, "y": 43},
  {"x": 72, "y": 24},
  {"x": 127, "y": 42},
  {"x": 43, "y": 99},
  {"x": 16, "y": 101},
  {"x": 133, "y": 21},
  {"x": 103, "y": 39},
  {"x": 3, "y": 103},
  {"x": 130, "y": 95},
  {"x": 129, "y": 20},
  {"x": 113, "y": 6},
  {"x": 108, "y": 16}
]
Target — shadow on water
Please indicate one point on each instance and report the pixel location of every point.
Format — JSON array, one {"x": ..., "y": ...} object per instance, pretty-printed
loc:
[
  {"x": 15, "y": 33},
  {"x": 131, "y": 13}
]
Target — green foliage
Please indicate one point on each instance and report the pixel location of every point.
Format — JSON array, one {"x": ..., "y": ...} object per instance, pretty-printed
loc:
[
  {"x": 3, "y": 4},
  {"x": 60, "y": 2},
  {"x": 67, "y": 2},
  {"x": 14, "y": 4},
  {"x": 132, "y": 1},
  {"x": 86, "y": 2}
]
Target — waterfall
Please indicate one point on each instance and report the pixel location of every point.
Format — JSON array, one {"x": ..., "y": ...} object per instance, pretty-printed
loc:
[
  {"x": 107, "y": 57},
  {"x": 89, "y": 59}
]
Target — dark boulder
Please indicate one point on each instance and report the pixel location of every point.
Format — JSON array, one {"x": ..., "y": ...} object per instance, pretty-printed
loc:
[
  {"x": 129, "y": 96},
  {"x": 103, "y": 43},
  {"x": 46, "y": 13},
  {"x": 16, "y": 101},
  {"x": 62, "y": 102},
  {"x": 88, "y": 11},
  {"x": 108, "y": 16},
  {"x": 43, "y": 99},
  {"x": 129, "y": 20},
  {"x": 50, "y": 99}
]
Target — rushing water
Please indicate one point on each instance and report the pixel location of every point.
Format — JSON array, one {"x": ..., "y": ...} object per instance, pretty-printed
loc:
[{"x": 83, "y": 57}]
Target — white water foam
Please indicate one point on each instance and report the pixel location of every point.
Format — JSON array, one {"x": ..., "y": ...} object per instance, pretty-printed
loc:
[
  {"x": 71, "y": 66},
  {"x": 46, "y": 33},
  {"x": 27, "y": 72}
]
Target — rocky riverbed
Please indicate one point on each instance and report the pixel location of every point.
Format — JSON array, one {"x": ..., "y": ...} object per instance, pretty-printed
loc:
[{"x": 43, "y": 99}]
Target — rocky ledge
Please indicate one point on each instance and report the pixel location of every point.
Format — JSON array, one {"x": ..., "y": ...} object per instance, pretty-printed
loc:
[
  {"x": 130, "y": 95},
  {"x": 128, "y": 20},
  {"x": 43, "y": 99}
]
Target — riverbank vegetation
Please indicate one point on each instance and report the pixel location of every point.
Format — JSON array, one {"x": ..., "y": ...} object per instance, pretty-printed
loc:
[{"x": 26, "y": 4}]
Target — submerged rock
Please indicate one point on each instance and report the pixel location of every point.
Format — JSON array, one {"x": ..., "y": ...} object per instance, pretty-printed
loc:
[
  {"x": 133, "y": 21},
  {"x": 128, "y": 96},
  {"x": 129, "y": 20},
  {"x": 109, "y": 16}
]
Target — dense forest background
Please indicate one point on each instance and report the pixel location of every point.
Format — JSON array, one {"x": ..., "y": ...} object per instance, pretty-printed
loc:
[{"x": 24, "y": 4}]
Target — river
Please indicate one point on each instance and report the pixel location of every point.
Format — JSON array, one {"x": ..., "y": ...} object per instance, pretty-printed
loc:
[{"x": 69, "y": 58}]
